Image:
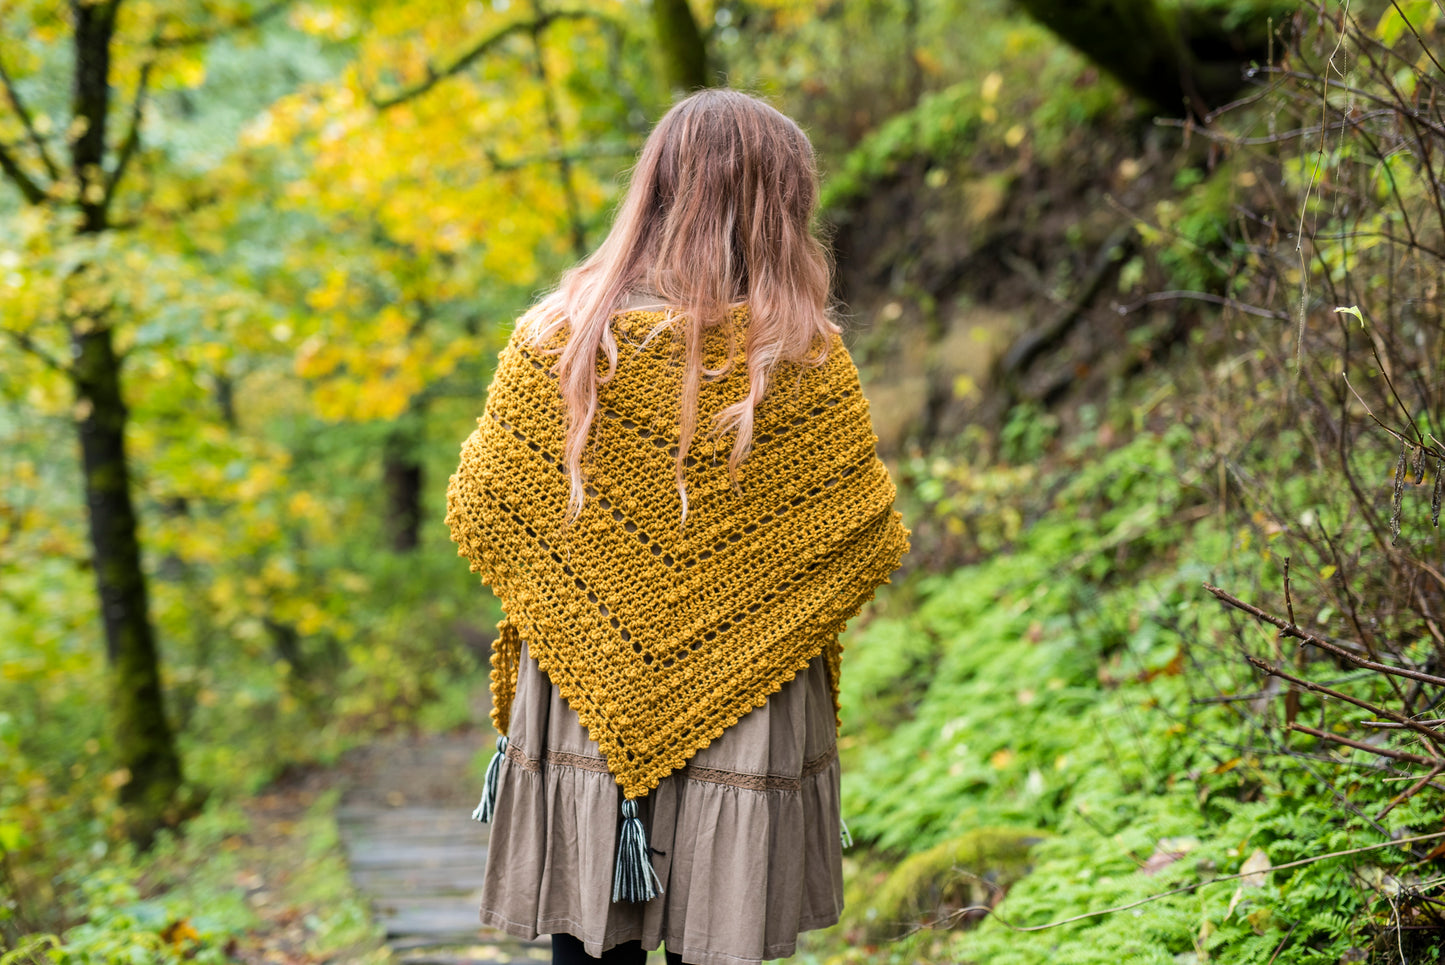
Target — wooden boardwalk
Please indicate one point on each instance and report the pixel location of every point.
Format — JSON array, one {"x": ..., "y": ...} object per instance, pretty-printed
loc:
[{"x": 405, "y": 820}]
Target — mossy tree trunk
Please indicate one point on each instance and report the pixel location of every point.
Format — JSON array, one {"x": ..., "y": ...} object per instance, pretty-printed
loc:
[
  {"x": 684, "y": 55},
  {"x": 1182, "y": 60},
  {"x": 140, "y": 732},
  {"x": 142, "y": 739}
]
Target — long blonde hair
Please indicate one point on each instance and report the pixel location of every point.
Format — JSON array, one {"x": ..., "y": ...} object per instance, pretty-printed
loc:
[{"x": 719, "y": 212}]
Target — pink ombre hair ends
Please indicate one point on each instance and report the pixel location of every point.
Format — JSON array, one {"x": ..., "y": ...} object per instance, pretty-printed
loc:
[{"x": 719, "y": 212}]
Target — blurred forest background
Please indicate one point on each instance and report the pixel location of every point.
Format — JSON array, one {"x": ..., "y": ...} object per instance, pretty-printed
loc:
[{"x": 1147, "y": 297}]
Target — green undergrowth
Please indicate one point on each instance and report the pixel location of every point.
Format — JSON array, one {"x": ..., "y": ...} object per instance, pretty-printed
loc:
[
  {"x": 240, "y": 884},
  {"x": 1023, "y": 97},
  {"x": 1077, "y": 682},
  {"x": 398, "y": 644}
]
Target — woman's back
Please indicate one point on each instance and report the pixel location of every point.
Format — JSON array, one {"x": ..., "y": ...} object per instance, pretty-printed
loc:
[{"x": 679, "y": 508}]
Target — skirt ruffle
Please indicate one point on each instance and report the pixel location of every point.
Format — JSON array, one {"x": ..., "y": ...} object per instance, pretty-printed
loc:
[{"x": 745, "y": 838}]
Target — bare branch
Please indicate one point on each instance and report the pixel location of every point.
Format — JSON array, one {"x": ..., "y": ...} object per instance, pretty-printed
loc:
[
  {"x": 1408, "y": 112},
  {"x": 33, "y": 192},
  {"x": 435, "y": 75},
  {"x": 131, "y": 143},
  {"x": 28, "y": 122},
  {"x": 1390, "y": 383},
  {"x": 1290, "y": 630},
  {"x": 582, "y": 153},
  {"x": 1406, "y": 722},
  {"x": 1361, "y": 93},
  {"x": 1288, "y": 595},
  {"x": 1277, "y": 137},
  {"x": 1172, "y": 296},
  {"x": 196, "y": 37},
  {"x": 1376, "y": 419},
  {"x": 554, "y": 127},
  {"x": 1390, "y": 752},
  {"x": 1410, "y": 791},
  {"x": 28, "y": 344},
  {"x": 1390, "y": 724}
]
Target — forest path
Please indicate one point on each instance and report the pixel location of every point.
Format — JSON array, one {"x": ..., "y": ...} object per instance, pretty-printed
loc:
[{"x": 413, "y": 850}]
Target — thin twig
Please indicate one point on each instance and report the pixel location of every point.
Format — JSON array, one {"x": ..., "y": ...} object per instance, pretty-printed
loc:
[
  {"x": 1231, "y": 698},
  {"x": 1409, "y": 792},
  {"x": 28, "y": 122},
  {"x": 1390, "y": 724},
  {"x": 1282, "y": 942},
  {"x": 131, "y": 142},
  {"x": 1201, "y": 297},
  {"x": 33, "y": 193},
  {"x": 1288, "y": 596},
  {"x": 554, "y": 128},
  {"x": 1389, "y": 752},
  {"x": 198, "y": 37},
  {"x": 1274, "y": 671},
  {"x": 555, "y": 156},
  {"x": 1359, "y": 92},
  {"x": 1390, "y": 384},
  {"x": 1303, "y": 636},
  {"x": 435, "y": 75},
  {"x": 28, "y": 344}
]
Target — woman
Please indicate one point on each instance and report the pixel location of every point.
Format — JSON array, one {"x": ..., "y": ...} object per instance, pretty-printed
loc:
[{"x": 674, "y": 492}]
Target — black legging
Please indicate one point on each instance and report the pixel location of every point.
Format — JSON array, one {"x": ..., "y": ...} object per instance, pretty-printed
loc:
[{"x": 568, "y": 950}]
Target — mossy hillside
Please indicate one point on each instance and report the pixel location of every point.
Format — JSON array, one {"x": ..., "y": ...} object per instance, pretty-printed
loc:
[
  {"x": 948, "y": 883},
  {"x": 1078, "y": 683}
]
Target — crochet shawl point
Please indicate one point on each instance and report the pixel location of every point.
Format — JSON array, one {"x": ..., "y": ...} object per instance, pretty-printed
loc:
[{"x": 661, "y": 637}]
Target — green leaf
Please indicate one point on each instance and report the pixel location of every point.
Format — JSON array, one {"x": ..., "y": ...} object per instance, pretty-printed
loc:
[
  {"x": 1352, "y": 310},
  {"x": 12, "y": 837}
]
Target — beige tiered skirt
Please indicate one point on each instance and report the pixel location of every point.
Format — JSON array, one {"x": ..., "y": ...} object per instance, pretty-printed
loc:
[{"x": 745, "y": 838}]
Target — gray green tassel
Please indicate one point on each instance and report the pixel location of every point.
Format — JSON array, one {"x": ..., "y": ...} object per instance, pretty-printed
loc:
[
  {"x": 634, "y": 879},
  {"x": 844, "y": 834},
  {"x": 488, "y": 805}
]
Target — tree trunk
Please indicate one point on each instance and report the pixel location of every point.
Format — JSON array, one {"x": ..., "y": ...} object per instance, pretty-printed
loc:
[
  {"x": 90, "y": 105},
  {"x": 402, "y": 480},
  {"x": 680, "y": 41},
  {"x": 1182, "y": 61},
  {"x": 143, "y": 741}
]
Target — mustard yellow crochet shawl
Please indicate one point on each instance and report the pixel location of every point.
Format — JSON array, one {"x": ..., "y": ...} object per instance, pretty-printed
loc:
[{"x": 660, "y": 637}]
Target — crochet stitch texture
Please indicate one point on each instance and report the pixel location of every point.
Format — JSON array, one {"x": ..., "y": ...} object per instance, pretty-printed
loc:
[{"x": 660, "y": 637}]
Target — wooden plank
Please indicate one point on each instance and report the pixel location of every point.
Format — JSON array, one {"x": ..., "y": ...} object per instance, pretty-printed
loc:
[
  {"x": 376, "y": 853},
  {"x": 409, "y": 815},
  {"x": 445, "y": 881},
  {"x": 488, "y": 944},
  {"x": 430, "y": 919},
  {"x": 498, "y": 952},
  {"x": 461, "y": 841},
  {"x": 414, "y": 851}
]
